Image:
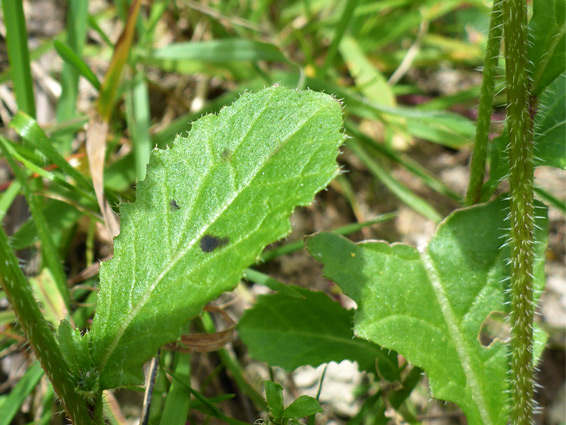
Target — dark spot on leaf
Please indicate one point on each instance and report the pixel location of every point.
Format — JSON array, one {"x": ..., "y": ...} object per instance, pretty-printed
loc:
[
  {"x": 209, "y": 243},
  {"x": 173, "y": 205},
  {"x": 226, "y": 155}
]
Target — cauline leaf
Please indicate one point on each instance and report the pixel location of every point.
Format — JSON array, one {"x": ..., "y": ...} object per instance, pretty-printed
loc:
[
  {"x": 429, "y": 305},
  {"x": 207, "y": 208}
]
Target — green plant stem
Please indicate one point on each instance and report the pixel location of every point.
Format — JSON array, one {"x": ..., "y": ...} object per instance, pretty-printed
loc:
[
  {"x": 521, "y": 210},
  {"x": 477, "y": 169},
  {"x": 39, "y": 335}
]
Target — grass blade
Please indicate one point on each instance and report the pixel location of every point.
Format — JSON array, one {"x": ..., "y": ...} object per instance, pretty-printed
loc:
[
  {"x": 398, "y": 189},
  {"x": 419, "y": 171},
  {"x": 48, "y": 248},
  {"x": 551, "y": 199},
  {"x": 344, "y": 230},
  {"x": 260, "y": 278},
  {"x": 215, "y": 51},
  {"x": 76, "y": 35},
  {"x": 20, "y": 392},
  {"x": 8, "y": 197},
  {"x": 78, "y": 65},
  {"x": 111, "y": 82},
  {"x": 178, "y": 400},
  {"x": 139, "y": 120},
  {"x": 99, "y": 123},
  {"x": 338, "y": 34},
  {"x": 13, "y": 150},
  {"x": 32, "y": 133},
  {"x": 18, "y": 54}
]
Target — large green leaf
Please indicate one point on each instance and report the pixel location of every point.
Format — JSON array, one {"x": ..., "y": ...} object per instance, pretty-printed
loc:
[
  {"x": 547, "y": 51},
  {"x": 207, "y": 208},
  {"x": 429, "y": 305},
  {"x": 288, "y": 331}
]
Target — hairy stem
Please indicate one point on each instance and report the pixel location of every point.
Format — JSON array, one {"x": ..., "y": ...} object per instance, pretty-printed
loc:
[
  {"x": 39, "y": 335},
  {"x": 521, "y": 210},
  {"x": 477, "y": 169}
]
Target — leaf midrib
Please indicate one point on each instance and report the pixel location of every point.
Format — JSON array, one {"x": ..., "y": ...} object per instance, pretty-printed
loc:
[
  {"x": 147, "y": 293},
  {"x": 462, "y": 348}
]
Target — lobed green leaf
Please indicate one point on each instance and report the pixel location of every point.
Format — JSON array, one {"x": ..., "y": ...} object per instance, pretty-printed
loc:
[
  {"x": 288, "y": 331},
  {"x": 430, "y": 305},
  {"x": 207, "y": 208}
]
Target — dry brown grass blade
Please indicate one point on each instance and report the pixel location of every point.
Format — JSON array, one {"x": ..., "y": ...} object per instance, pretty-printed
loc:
[
  {"x": 96, "y": 150},
  {"x": 86, "y": 273},
  {"x": 204, "y": 343},
  {"x": 98, "y": 124},
  {"x": 114, "y": 407},
  {"x": 105, "y": 102}
]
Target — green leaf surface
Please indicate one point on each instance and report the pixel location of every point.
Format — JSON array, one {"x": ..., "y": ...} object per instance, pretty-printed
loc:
[
  {"x": 301, "y": 407},
  {"x": 429, "y": 305},
  {"x": 218, "y": 51},
  {"x": 70, "y": 57},
  {"x": 368, "y": 79},
  {"x": 547, "y": 50},
  {"x": 274, "y": 397},
  {"x": 550, "y": 125},
  {"x": 73, "y": 347},
  {"x": 213, "y": 57},
  {"x": 289, "y": 332},
  {"x": 209, "y": 205}
]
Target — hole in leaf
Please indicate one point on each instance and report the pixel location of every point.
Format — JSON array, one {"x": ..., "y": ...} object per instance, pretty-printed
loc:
[{"x": 495, "y": 327}]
